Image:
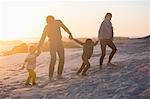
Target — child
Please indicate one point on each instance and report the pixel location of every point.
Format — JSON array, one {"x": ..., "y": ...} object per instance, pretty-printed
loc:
[
  {"x": 30, "y": 63},
  {"x": 87, "y": 53}
]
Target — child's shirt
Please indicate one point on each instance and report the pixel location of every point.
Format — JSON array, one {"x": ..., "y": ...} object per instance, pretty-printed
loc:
[
  {"x": 31, "y": 61},
  {"x": 88, "y": 50}
]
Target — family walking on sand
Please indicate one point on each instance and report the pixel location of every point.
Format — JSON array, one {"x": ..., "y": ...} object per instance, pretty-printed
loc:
[{"x": 53, "y": 31}]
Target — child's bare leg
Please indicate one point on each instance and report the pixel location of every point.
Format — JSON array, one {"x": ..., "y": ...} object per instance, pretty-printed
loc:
[
  {"x": 81, "y": 68},
  {"x": 87, "y": 63},
  {"x": 29, "y": 78}
]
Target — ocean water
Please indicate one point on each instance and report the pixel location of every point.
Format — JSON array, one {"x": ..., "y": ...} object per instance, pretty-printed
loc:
[{"x": 5, "y": 47}]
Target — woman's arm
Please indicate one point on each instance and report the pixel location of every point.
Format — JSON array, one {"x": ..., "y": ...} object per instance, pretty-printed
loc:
[
  {"x": 100, "y": 29},
  {"x": 96, "y": 43}
]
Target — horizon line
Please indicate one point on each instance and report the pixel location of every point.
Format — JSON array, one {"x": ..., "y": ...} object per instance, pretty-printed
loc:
[{"x": 34, "y": 38}]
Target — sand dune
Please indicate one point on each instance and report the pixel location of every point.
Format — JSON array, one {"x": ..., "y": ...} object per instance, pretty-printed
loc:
[{"x": 128, "y": 79}]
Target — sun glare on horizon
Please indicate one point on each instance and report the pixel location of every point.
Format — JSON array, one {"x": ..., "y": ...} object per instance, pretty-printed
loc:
[{"x": 26, "y": 19}]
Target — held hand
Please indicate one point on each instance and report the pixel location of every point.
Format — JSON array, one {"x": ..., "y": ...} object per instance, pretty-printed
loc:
[
  {"x": 96, "y": 42},
  {"x": 70, "y": 37}
]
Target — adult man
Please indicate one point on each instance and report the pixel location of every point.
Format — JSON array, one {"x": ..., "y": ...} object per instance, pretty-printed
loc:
[{"x": 53, "y": 32}]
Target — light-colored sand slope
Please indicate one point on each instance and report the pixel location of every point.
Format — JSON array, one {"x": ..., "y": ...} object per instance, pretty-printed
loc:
[{"x": 129, "y": 79}]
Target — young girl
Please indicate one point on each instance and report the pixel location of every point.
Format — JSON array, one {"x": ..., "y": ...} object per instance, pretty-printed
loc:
[
  {"x": 30, "y": 63},
  {"x": 88, "y": 47}
]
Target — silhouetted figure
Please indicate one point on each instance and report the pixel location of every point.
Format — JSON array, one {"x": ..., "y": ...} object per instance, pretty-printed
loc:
[
  {"x": 53, "y": 32},
  {"x": 30, "y": 63},
  {"x": 88, "y": 47},
  {"x": 105, "y": 36}
]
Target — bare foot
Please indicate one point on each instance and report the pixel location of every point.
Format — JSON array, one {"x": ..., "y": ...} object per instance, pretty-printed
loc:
[
  {"x": 83, "y": 74},
  {"x": 59, "y": 77},
  {"x": 51, "y": 79},
  {"x": 27, "y": 84},
  {"x": 110, "y": 64}
]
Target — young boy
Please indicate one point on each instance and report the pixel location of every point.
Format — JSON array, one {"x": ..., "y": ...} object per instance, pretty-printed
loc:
[
  {"x": 30, "y": 63},
  {"x": 88, "y": 47}
]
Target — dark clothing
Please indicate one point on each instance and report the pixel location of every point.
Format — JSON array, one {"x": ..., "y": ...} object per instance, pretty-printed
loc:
[
  {"x": 87, "y": 53},
  {"x": 84, "y": 67},
  {"x": 88, "y": 50},
  {"x": 104, "y": 43}
]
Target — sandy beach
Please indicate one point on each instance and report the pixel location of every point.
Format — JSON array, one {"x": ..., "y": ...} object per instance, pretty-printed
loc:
[{"x": 128, "y": 79}]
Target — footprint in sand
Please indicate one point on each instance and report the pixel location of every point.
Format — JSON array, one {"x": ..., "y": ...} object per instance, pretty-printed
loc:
[
  {"x": 11, "y": 70},
  {"x": 6, "y": 78}
]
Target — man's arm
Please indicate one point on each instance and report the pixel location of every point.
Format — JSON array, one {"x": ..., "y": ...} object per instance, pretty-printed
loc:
[
  {"x": 78, "y": 41},
  {"x": 101, "y": 26},
  {"x": 65, "y": 28}
]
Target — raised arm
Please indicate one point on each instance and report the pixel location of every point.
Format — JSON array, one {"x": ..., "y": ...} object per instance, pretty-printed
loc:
[
  {"x": 64, "y": 27},
  {"x": 78, "y": 41}
]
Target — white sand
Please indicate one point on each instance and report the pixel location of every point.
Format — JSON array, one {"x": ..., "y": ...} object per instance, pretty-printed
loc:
[{"x": 129, "y": 79}]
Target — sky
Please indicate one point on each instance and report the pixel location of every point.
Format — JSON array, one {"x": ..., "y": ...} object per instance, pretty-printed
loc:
[{"x": 26, "y": 18}]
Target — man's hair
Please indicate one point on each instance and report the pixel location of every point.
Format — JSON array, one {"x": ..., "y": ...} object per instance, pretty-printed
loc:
[
  {"x": 50, "y": 19},
  {"x": 108, "y": 14}
]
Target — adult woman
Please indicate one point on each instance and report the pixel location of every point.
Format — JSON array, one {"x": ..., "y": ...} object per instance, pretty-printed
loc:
[{"x": 105, "y": 36}]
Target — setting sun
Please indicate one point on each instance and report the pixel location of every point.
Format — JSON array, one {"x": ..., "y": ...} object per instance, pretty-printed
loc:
[
  {"x": 26, "y": 19},
  {"x": 74, "y": 49}
]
